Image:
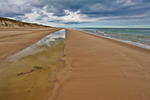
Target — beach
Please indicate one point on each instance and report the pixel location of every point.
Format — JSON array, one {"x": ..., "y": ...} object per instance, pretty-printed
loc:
[
  {"x": 13, "y": 40},
  {"x": 75, "y": 50},
  {"x": 102, "y": 69},
  {"x": 88, "y": 67},
  {"x": 30, "y": 57}
]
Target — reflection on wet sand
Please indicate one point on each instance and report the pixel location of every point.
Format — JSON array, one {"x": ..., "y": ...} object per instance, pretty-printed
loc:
[{"x": 28, "y": 74}]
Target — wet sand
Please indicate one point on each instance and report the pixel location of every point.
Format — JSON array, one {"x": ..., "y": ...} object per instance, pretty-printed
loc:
[
  {"x": 13, "y": 40},
  {"x": 102, "y": 69},
  {"x": 30, "y": 76}
]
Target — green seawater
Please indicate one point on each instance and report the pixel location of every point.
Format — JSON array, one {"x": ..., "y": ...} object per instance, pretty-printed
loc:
[{"x": 140, "y": 36}]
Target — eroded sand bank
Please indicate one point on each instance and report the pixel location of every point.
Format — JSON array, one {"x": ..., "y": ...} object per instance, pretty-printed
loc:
[{"x": 99, "y": 69}]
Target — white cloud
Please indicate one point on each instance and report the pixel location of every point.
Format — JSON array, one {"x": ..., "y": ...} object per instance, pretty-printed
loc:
[
  {"x": 41, "y": 16},
  {"x": 74, "y": 17},
  {"x": 36, "y": 12},
  {"x": 14, "y": 7}
]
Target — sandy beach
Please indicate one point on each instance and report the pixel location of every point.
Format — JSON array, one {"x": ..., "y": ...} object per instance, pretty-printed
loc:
[
  {"x": 13, "y": 40},
  {"x": 74, "y": 49},
  {"x": 28, "y": 75},
  {"x": 102, "y": 69},
  {"x": 95, "y": 68}
]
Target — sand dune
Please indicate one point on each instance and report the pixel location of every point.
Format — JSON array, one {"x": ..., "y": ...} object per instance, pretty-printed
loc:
[{"x": 101, "y": 69}]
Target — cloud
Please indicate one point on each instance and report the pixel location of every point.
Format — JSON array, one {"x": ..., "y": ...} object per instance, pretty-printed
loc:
[
  {"x": 9, "y": 8},
  {"x": 48, "y": 18},
  {"x": 55, "y": 12},
  {"x": 98, "y": 7},
  {"x": 74, "y": 17}
]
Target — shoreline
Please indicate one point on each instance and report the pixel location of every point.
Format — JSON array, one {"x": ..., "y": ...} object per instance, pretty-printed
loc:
[
  {"x": 98, "y": 68},
  {"x": 52, "y": 30},
  {"x": 142, "y": 49},
  {"x": 89, "y": 60},
  {"x": 127, "y": 41}
]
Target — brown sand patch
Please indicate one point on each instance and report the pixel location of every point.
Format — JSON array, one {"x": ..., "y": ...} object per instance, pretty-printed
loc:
[
  {"x": 100, "y": 69},
  {"x": 13, "y": 40}
]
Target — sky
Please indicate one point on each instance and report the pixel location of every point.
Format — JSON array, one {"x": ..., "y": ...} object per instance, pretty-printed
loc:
[{"x": 79, "y": 13}]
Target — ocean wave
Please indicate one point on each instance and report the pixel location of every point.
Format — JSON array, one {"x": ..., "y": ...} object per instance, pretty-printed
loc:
[{"x": 133, "y": 39}]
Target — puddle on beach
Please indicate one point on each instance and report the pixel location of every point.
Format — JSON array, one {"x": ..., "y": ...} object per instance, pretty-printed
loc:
[{"x": 27, "y": 75}]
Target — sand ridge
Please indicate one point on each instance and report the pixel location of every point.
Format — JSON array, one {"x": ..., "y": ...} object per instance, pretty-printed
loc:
[{"x": 103, "y": 70}]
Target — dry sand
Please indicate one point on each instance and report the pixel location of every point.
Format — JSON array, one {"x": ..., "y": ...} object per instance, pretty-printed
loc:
[
  {"x": 13, "y": 40},
  {"x": 102, "y": 69}
]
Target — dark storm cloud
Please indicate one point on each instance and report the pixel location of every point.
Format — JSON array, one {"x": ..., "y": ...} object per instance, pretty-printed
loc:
[{"x": 96, "y": 10}]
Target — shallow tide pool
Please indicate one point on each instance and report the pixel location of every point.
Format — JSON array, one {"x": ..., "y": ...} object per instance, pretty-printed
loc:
[{"x": 27, "y": 75}]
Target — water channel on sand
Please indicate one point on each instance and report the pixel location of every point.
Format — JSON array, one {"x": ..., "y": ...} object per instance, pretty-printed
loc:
[{"x": 27, "y": 75}]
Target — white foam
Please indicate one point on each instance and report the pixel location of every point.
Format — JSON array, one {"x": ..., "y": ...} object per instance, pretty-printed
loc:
[{"x": 120, "y": 40}]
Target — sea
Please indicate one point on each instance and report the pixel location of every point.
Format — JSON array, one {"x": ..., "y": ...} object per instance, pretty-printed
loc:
[{"x": 134, "y": 36}]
